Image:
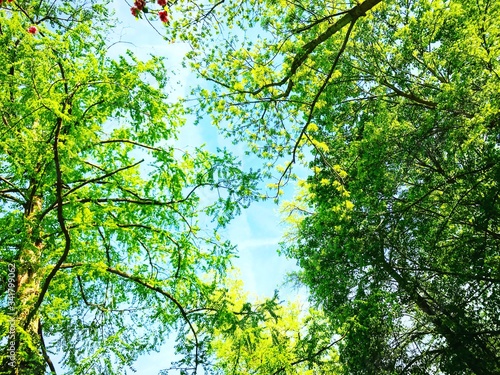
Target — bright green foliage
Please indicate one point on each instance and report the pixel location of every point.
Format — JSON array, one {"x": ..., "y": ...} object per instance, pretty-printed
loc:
[
  {"x": 398, "y": 226},
  {"x": 406, "y": 202},
  {"x": 266, "y": 59},
  {"x": 101, "y": 215},
  {"x": 271, "y": 340}
]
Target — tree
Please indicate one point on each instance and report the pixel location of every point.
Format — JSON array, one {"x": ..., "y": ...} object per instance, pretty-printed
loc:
[
  {"x": 106, "y": 244},
  {"x": 398, "y": 229},
  {"x": 273, "y": 340},
  {"x": 406, "y": 201},
  {"x": 262, "y": 86}
]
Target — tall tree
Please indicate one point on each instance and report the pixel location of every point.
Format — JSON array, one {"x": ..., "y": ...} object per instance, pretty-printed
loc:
[
  {"x": 270, "y": 339},
  {"x": 405, "y": 193},
  {"x": 398, "y": 101},
  {"x": 106, "y": 242}
]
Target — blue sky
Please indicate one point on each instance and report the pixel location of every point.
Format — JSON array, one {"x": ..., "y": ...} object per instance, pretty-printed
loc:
[{"x": 257, "y": 231}]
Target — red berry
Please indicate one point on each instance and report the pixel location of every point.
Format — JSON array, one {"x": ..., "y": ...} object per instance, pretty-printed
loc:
[
  {"x": 135, "y": 11},
  {"x": 162, "y": 3},
  {"x": 140, "y": 4},
  {"x": 32, "y": 29},
  {"x": 163, "y": 16}
]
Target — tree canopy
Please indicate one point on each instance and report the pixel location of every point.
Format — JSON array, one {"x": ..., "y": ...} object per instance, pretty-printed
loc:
[
  {"x": 111, "y": 233},
  {"x": 394, "y": 107},
  {"x": 102, "y": 218}
]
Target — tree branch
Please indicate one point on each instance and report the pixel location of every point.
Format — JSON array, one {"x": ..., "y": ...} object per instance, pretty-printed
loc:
[
  {"x": 44, "y": 350},
  {"x": 60, "y": 213},
  {"x": 313, "y": 107},
  {"x": 351, "y": 17},
  {"x": 313, "y": 355},
  {"x": 152, "y": 287},
  {"x": 119, "y": 140},
  {"x": 99, "y": 178}
]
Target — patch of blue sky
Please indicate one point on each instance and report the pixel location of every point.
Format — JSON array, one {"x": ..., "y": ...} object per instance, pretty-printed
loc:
[{"x": 258, "y": 230}]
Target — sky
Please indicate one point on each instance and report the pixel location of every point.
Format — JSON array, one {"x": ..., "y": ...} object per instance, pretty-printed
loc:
[{"x": 257, "y": 231}]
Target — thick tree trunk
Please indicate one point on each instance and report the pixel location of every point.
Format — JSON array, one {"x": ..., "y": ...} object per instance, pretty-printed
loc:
[{"x": 28, "y": 357}]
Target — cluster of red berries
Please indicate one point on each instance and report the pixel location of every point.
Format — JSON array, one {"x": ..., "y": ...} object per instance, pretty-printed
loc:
[
  {"x": 140, "y": 6},
  {"x": 163, "y": 16},
  {"x": 8, "y": 1}
]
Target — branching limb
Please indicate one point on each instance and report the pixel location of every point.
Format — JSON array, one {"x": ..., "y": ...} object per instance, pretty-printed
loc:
[
  {"x": 313, "y": 107},
  {"x": 100, "y": 178},
  {"x": 44, "y": 350},
  {"x": 14, "y": 187},
  {"x": 157, "y": 289},
  {"x": 59, "y": 200},
  {"x": 349, "y": 18},
  {"x": 313, "y": 355},
  {"x": 142, "y": 145},
  {"x": 84, "y": 297}
]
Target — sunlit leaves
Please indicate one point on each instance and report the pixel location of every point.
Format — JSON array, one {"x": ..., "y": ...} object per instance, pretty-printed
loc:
[
  {"x": 397, "y": 120},
  {"x": 395, "y": 202},
  {"x": 273, "y": 339},
  {"x": 112, "y": 229}
]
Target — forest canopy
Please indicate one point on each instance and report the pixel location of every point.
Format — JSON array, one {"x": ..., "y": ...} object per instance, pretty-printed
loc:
[{"x": 393, "y": 107}]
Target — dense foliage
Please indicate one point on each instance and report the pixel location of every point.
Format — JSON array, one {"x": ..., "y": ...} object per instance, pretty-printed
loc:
[
  {"x": 406, "y": 197},
  {"x": 110, "y": 233},
  {"x": 397, "y": 228},
  {"x": 106, "y": 245}
]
